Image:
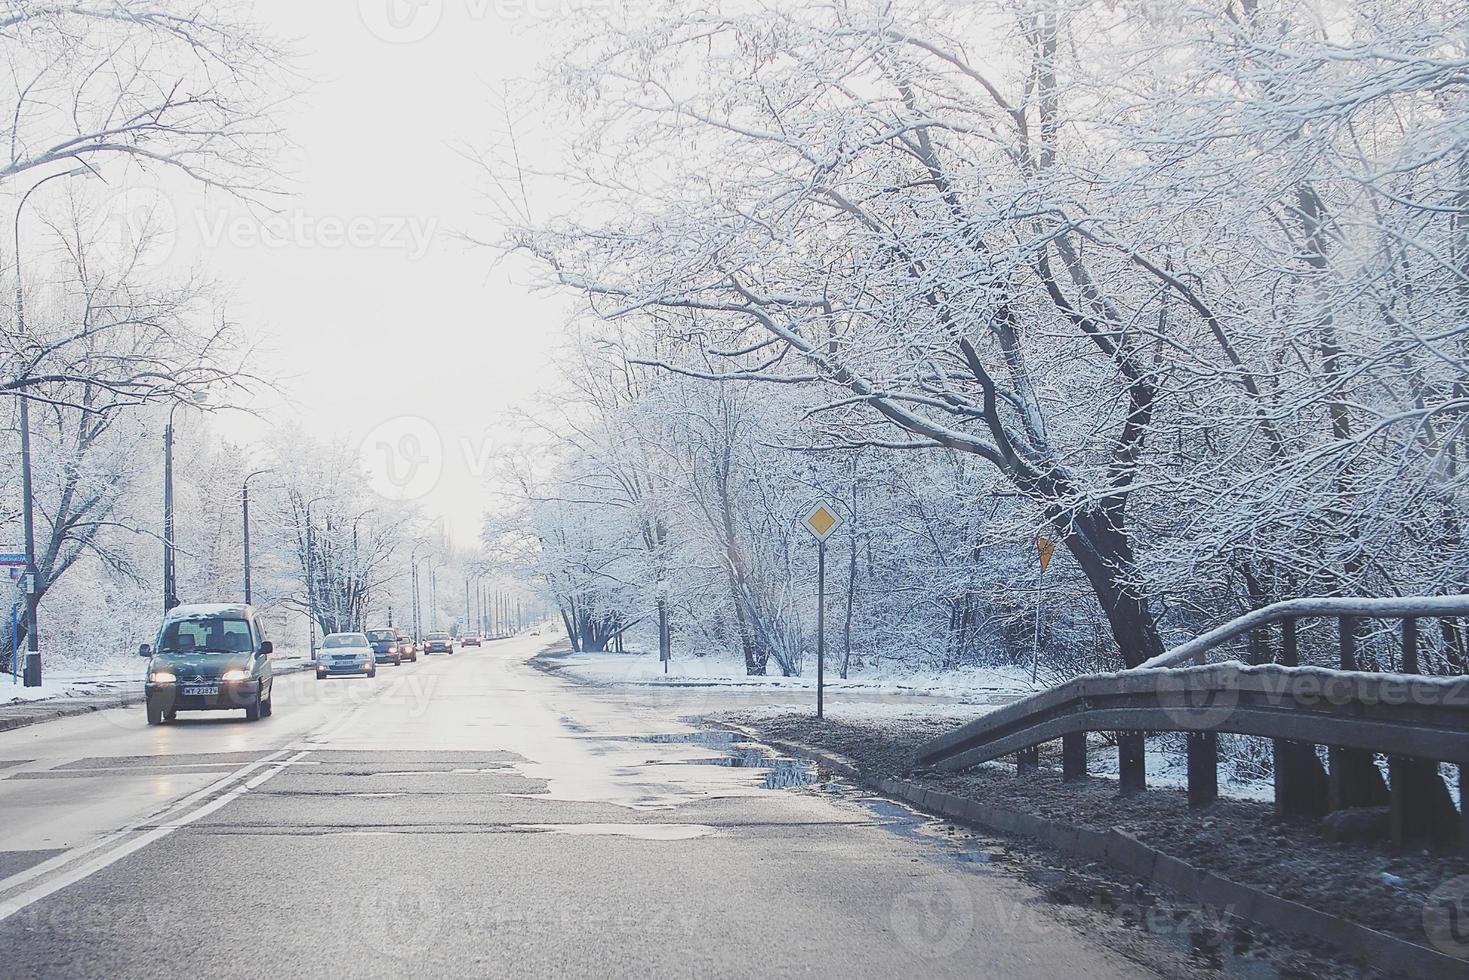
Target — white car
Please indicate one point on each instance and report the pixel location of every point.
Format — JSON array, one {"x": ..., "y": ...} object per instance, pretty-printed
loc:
[{"x": 345, "y": 653}]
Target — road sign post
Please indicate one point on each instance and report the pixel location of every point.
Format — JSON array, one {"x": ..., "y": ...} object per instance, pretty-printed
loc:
[
  {"x": 821, "y": 521},
  {"x": 1046, "y": 548}
]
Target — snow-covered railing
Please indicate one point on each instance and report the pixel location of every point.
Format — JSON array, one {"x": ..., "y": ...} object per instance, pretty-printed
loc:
[
  {"x": 1416, "y": 721},
  {"x": 1409, "y": 608}
]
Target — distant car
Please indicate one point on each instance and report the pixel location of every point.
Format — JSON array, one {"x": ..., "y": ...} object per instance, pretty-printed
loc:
[
  {"x": 469, "y": 640},
  {"x": 535, "y": 632},
  {"x": 345, "y": 653},
  {"x": 408, "y": 646},
  {"x": 208, "y": 658},
  {"x": 387, "y": 646},
  {"x": 438, "y": 643}
]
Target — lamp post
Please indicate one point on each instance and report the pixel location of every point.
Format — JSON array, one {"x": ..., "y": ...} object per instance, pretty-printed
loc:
[
  {"x": 30, "y": 582},
  {"x": 245, "y": 512}
]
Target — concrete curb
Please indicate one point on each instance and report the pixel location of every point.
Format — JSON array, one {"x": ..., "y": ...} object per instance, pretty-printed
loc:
[
  {"x": 1126, "y": 853},
  {"x": 55, "y": 709}
]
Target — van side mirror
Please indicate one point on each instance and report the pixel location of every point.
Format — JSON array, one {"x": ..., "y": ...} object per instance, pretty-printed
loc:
[
  {"x": 266, "y": 648},
  {"x": 144, "y": 650}
]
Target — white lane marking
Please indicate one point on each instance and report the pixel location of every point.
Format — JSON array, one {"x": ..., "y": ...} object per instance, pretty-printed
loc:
[
  {"x": 54, "y": 884},
  {"x": 156, "y": 817}
]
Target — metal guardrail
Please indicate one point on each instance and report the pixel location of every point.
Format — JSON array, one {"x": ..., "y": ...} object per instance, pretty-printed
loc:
[
  {"x": 1417, "y": 721},
  {"x": 1410, "y": 608}
]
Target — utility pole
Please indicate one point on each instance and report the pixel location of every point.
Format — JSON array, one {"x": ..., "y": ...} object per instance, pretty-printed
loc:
[
  {"x": 433, "y": 594},
  {"x": 170, "y": 593},
  {"x": 311, "y": 576},
  {"x": 245, "y": 510}
]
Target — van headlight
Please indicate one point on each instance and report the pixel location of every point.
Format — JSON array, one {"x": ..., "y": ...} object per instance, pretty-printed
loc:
[
  {"x": 234, "y": 675},
  {"x": 162, "y": 677}
]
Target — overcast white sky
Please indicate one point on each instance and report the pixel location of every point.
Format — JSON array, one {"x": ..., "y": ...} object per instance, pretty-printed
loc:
[{"x": 369, "y": 333}]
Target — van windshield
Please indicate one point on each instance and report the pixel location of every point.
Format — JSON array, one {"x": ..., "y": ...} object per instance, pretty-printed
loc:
[{"x": 207, "y": 634}]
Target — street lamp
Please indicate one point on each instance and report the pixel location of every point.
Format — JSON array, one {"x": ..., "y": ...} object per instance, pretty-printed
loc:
[
  {"x": 245, "y": 511},
  {"x": 170, "y": 552},
  {"x": 29, "y": 581}
]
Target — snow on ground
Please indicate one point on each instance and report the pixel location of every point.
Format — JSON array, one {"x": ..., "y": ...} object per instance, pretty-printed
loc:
[
  {"x": 970, "y": 686},
  {"x": 1167, "y": 766}
]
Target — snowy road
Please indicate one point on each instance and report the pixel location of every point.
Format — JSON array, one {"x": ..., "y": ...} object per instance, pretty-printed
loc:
[{"x": 475, "y": 817}]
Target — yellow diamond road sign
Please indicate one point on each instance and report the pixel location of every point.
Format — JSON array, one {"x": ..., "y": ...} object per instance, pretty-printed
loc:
[{"x": 822, "y": 521}]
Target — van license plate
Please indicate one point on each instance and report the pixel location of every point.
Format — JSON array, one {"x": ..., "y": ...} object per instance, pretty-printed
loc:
[{"x": 192, "y": 692}]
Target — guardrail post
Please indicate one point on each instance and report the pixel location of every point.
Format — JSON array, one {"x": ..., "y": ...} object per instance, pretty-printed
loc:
[
  {"x": 1300, "y": 781},
  {"x": 1073, "y": 757},
  {"x": 1410, "y": 646},
  {"x": 1347, "y": 628},
  {"x": 1463, "y": 811},
  {"x": 1028, "y": 760},
  {"x": 1289, "y": 650},
  {"x": 1132, "y": 767},
  {"x": 1203, "y": 768},
  {"x": 1354, "y": 780},
  {"x": 1422, "y": 811}
]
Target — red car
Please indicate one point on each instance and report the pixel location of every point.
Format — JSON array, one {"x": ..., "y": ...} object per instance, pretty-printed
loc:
[{"x": 469, "y": 640}]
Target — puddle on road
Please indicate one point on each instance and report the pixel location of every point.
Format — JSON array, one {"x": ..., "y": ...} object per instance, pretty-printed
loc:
[
  {"x": 636, "y": 831},
  {"x": 779, "y": 772},
  {"x": 709, "y": 738}
]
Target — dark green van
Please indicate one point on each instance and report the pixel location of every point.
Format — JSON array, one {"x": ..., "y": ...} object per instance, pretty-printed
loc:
[{"x": 208, "y": 658}]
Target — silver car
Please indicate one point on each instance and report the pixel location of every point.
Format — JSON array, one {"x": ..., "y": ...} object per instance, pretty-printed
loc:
[{"x": 345, "y": 653}]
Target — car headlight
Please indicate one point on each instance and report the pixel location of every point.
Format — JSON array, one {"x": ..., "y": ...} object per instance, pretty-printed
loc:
[
  {"x": 234, "y": 675},
  {"x": 162, "y": 677}
]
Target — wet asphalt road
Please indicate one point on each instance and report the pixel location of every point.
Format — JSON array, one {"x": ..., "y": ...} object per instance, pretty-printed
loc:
[{"x": 472, "y": 816}]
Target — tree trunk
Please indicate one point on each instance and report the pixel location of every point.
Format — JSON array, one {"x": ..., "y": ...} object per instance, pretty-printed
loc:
[{"x": 1105, "y": 555}]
